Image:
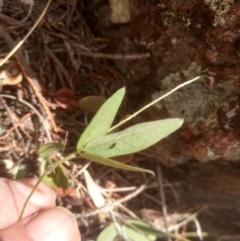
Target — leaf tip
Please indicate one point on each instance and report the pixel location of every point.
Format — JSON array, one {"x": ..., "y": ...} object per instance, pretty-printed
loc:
[
  {"x": 123, "y": 89},
  {"x": 181, "y": 120},
  {"x": 150, "y": 172}
]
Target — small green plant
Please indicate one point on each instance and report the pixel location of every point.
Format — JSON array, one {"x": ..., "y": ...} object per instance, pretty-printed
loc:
[
  {"x": 98, "y": 144},
  {"x": 137, "y": 230}
]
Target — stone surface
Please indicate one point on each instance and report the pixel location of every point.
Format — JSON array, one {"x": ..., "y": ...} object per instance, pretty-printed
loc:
[
  {"x": 199, "y": 37},
  {"x": 211, "y": 115},
  {"x": 120, "y": 12}
]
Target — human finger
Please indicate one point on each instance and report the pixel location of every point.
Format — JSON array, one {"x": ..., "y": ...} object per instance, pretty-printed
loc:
[
  {"x": 13, "y": 194},
  {"x": 49, "y": 224}
]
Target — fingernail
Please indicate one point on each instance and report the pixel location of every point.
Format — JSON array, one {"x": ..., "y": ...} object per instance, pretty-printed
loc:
[{"x": 53, "y": 224}]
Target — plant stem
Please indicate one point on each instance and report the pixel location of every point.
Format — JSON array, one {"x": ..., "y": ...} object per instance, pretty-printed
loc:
[
  {"x": 154, "y": 102},
  {"x": 30, "y": 195},
  {"x": 46, "y": 172}
]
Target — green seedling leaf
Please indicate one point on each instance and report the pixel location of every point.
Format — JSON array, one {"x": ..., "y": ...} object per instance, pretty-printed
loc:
[
  {"x": 58, "y": 178},
  {"x": 91, "y": 103},
  {"x": 103, "y": 120},
  {"x": 153, "y": 232},
  {"x": 135, "y": 235},
  {"x": 21, "y": 173},
  {"x": 49, "y": 182},
  {"x": 48, "y": 149},
  {"x": 133, "y": 139},
  {"x": 146, "y": 228},
  {"x": 112, "y": 163},
  {"x": 110, "y": 233},
  {"x": 61, "y": 178}
]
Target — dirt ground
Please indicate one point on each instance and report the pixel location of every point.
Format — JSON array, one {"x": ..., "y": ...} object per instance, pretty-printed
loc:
[{"x": 82, "y": 48}]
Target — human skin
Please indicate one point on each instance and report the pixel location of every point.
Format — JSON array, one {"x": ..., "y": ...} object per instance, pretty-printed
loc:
[{"x": 42, "y": 221}]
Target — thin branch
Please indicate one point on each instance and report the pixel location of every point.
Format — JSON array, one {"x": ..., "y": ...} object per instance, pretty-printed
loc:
[
  {"x": 16, "y": 125},
  {"x": 12, "y": 120},
  {"x": 30, "y": 76},
  {"x": 34, "y": 109},
  {"x": 110, "y": 206},
  {"x": 20, "y": 43},
  {"x": 162, "y": 197},
  {"x": 154, "y": 102},
  {"x": 115, "y": 56}
]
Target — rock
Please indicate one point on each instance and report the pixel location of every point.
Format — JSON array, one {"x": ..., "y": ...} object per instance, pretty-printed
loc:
[{"x": 120, "y": 12}]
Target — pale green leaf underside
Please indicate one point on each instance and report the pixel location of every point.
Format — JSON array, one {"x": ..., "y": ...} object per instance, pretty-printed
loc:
[
  {"x": 134, "y": 138},
  {"x": 112, "y": 163},
  {"x": 103, "y": 120}
]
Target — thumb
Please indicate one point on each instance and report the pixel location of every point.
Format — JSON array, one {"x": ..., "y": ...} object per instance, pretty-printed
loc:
[
  {"x": 14, "y": 194},
  {"x": 50, "y": 224}
]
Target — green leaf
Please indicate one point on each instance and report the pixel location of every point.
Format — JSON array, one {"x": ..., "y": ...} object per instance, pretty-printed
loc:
[
  {"x": 49, "y": 182},
  {"x": 110, "y": 233},
  {"x": 58, "y": 178},
  {"x": 22, "y": 171},
  {"x": 48, "y": 149},
  {"x": 112, "y": 163},
  {"x": 153, "y": 232},
  {"x": 133, "y": 139},
  {"x": 91, "y": 103},
  {"x": 103, "y": 120},
  {"x": 61, "y": 178},
  {"x": 135, "y": 235},
  {"x": 146, "y": 228}
]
